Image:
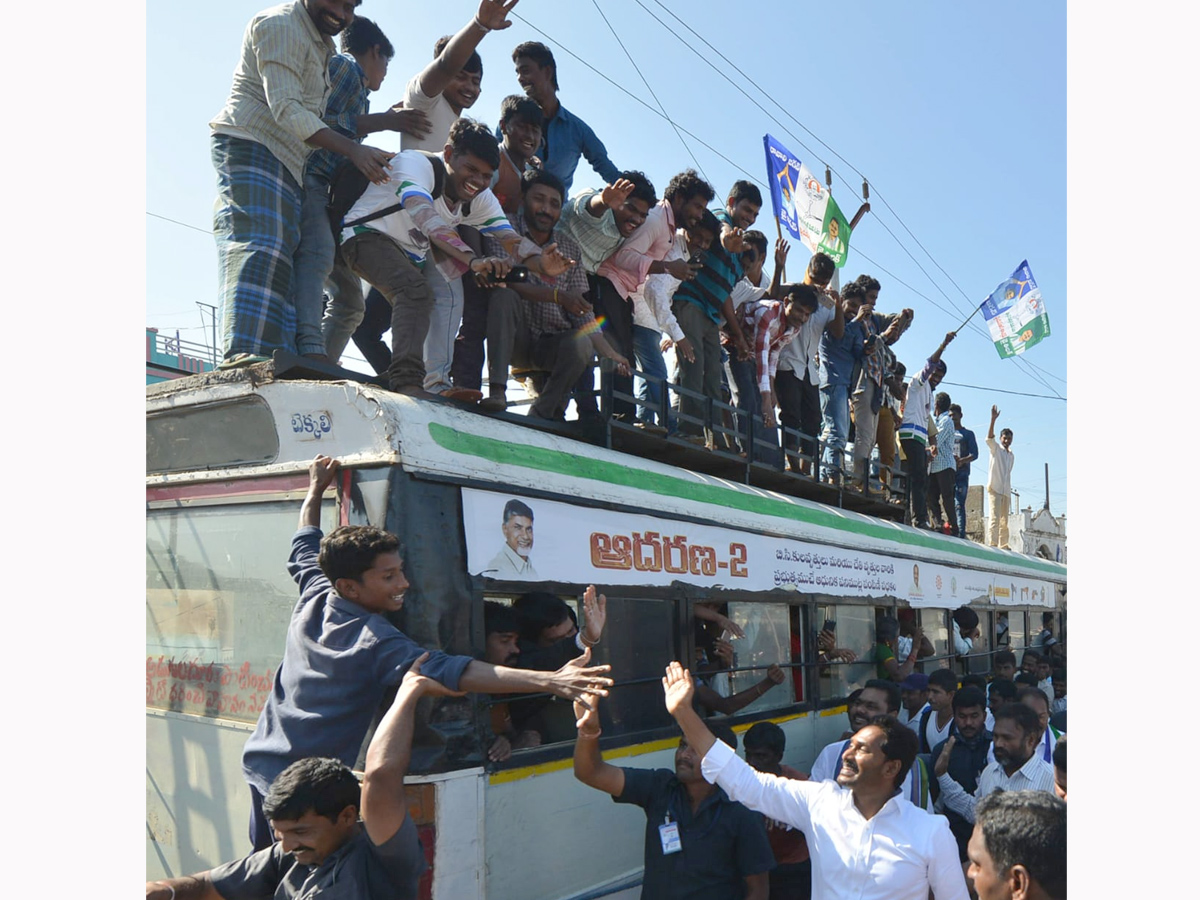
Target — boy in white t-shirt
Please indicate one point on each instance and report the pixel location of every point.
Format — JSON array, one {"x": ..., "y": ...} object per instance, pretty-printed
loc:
[
  {"x": 914, "y": 432},
  {"x": 999, "y": 485},
  {"x": 400, "y": 252}
]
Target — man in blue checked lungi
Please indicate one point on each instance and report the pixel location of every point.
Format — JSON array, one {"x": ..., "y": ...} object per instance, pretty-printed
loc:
[{"x": 270, "y": 122}]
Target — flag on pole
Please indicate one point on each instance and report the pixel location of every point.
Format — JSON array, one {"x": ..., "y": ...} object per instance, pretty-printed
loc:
[
  {"x": 1015, "y": 314},
  {"x": 803, "y": 205}
]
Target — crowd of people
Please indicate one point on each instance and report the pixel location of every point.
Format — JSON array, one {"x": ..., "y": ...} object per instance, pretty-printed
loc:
[
  {"x": 896, "y": 807},
  {"x": 473, "y": 244}
]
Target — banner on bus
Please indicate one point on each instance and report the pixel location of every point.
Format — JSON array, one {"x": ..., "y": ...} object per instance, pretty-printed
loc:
[{"x": 512, "y": 537}]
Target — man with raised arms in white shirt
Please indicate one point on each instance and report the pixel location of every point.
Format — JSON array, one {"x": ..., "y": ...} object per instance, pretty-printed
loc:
[{"x": 867, "y": 841}]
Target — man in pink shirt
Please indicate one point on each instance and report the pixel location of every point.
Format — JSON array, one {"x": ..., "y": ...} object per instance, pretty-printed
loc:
[{"x": 642, "y": 254}]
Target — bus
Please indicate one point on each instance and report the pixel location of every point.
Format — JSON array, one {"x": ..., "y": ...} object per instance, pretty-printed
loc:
[{"x": 227, "y": 457}]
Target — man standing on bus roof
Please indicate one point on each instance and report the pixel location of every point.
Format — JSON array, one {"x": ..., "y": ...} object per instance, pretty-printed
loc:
[
  {"x": 999, "y": 485},
  {"x": 700, "y": 845},
  {"x": 342, "y": 653},
  {"x": 868, "y": 842},
  {"x": 513, "y": 559},
  {"x": 313, "y": 806},
  {"x": 271, "y": 121}
]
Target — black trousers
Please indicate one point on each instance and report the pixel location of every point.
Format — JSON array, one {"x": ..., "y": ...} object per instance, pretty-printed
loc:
[
  {"x": 617, "y": 312},
  {"x": 916, "y": 467},
  {"x": 799, "y": 408},
  {"x": 941, "y": 490}
]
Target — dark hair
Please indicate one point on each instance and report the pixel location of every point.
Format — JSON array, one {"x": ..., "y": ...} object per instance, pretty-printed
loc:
[
  {"x": 515, "y": 507},
  {"x": 955, "y": 409},
  {"x": 854, "y": 289},
  {"x": 709, "y": 223},
  {"x": 1059, "y": 755},
  {"x": 1024, "y": 717},
  {"x": 474, "y": 62},
  {"x": 1048, "y": 617},
  {"x": 941, "y": 403},
  {"x": 686, "y": 185},
  {"x": 821, "y": 267},
  {"x": 723, "y": 733},
  {"x": 469, "y": 136},
  {"x": 1058, "y": 674},
  {"x": 323, "y": 786},
  {"x": 1030, "y": 654},
  {"x": 539, "y": 610},
  {"x": 744, "y": 190},
  {"x": 974, "y": 679},
  {"x": 945, "y": 679},
  {"x": 940, "y": 367},
  {"x": 1026, "y": 678},
  {"x": 1004, "y": 657},
  {"x": 765, "y": 736},
  {"x": 964, "y": 616},
  {"x": 350, "y": 550},
  {"x": 1035, "y": 692},
  {"x": 888, "y": 687},
  {"x": 803, "y": 295},
  {"x": 756, "y": 239},
  {"x": 900, "y": 742},
  {"x": 899, "y": 370},
  {"x": 1004, "y": 689},
  {"x": 853, "y": 697},
  {"x": 868, "y": 283},
  {"x": 643, "y": 189},
  {"x": 1004, "y": 431},
  {"x": 500, "y": 617},
  {"x": 530, "y": 177},
  {"x": 362, "y": 34},
  {"x": 886, "y": 629},
  {"x": 521, "y": 108},
  {"x": 538, "y": 53},
  {"x": 969, "y": 696},
  {"x": 1026, "y": 828}
]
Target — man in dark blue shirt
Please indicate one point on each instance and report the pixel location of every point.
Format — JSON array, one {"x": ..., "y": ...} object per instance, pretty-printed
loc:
[
  {"x": 700, "y": 845},
  {"x": 565, "y": 136},
  {"x": 841, "y": 352},
  {"x": 968, "y": 756},
  {"x": 966, "y": 450}
]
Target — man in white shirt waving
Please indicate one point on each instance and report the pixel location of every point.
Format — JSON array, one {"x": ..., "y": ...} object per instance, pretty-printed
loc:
[
  {"x": 999, "y": 486},
  {"x": 867, "y": 841}
]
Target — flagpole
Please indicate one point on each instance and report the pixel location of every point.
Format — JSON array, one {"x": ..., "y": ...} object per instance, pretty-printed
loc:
[{"x": 966, "y": 320}]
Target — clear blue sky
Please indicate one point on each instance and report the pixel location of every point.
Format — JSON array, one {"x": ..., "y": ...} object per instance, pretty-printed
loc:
[{"x": 956, "y": 114}]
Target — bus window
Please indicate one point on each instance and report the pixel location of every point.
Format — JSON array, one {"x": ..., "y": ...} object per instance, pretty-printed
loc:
[
  {"x": 980, "y": 659},
  {"x": 1016, "y": 628},
  {"x": 933, "y": 624},
  {"x": 218, "y": 604},
  {"x": 768, "y": 640},
  {"x": 854, "y": 629},
  {"x": 1002, "y": 630}
]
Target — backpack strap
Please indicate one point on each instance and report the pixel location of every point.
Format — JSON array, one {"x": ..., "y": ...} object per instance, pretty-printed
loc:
[
  {"x": 925, "y": 748},
  {"x": 439, "y": 183}
]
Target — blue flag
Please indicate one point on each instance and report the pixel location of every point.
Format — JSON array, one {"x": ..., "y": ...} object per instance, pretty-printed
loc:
[
  {"x": 803, "y": 205},
  {"x": 1015, "y": 313}
]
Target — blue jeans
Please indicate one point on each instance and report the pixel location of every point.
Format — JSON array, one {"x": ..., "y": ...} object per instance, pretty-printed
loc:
[
  {"x": 835, "y": 418},
  {"x": 749, "y": 401},
  {"x": 646, "y": 343},
  {"x": 311, "y": 265},
  {"x": 961, "y": 483}
]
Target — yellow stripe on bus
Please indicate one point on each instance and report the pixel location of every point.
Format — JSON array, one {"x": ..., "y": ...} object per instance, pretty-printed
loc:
[{"x": 509, "y": 775}]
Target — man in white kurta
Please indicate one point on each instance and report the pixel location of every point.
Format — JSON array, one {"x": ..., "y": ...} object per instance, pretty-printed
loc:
[{"x": 867, "y": 841}]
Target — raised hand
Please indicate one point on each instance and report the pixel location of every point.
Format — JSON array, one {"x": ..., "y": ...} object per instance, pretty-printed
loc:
[
  {"x": 615, "y": 194},
  {"x": 775, "y": 673},
  {"x": 678, "y": 688},
  {"x": 492, "y": 15},
  {"x": 995, "y": 413},
  {"x": 553, "y": 262},
  {"x": 781, "y": 253},
  {"x": 732, "y": 240},
  {"x": 594, "y": 614},
  {"x": 943, "y": 761},
  {"x": 422, "y": 685},
  {"x": 321, "y": 473}
]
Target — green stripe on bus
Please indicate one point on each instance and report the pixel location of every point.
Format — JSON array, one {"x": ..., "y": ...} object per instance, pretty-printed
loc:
[{"x": 573, "y": 465}]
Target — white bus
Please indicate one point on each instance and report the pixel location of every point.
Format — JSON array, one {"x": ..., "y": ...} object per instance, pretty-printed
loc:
[{"x": 227, "y": 457}]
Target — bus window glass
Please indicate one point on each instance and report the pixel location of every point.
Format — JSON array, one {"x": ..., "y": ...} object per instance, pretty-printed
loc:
[
  {"x": 218, "y": 603},
  {"x": 638, "y": 643},
  {"x": 980, "y": 659},
  {"x": 1016, "y": 628},
  {"x": 1002, "y": 630},
  {"x": 933, "y": 624},
  {"x": 768, "y": 640},
  {"x": 854, "y": 630}
]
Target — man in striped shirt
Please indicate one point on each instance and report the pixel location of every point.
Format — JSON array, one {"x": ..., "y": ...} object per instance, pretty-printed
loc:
[
  {"x": 775, "y": 324},
  {"x": 268, "y": 126},
  {"x": 700, "y": 303},
  {"x": 1016, "y": 764}
]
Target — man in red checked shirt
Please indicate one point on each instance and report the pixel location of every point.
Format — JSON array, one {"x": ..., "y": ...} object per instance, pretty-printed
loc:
[{"x": 791, "y": 879}]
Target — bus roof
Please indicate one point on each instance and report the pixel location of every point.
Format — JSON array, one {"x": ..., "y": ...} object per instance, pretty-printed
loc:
[{"x": 364, "y": 425}]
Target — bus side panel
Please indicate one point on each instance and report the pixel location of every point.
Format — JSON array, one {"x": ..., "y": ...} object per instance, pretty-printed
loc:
[
  {"x": 197, "y": 802},
  {"x": 534, "y": 826}
]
